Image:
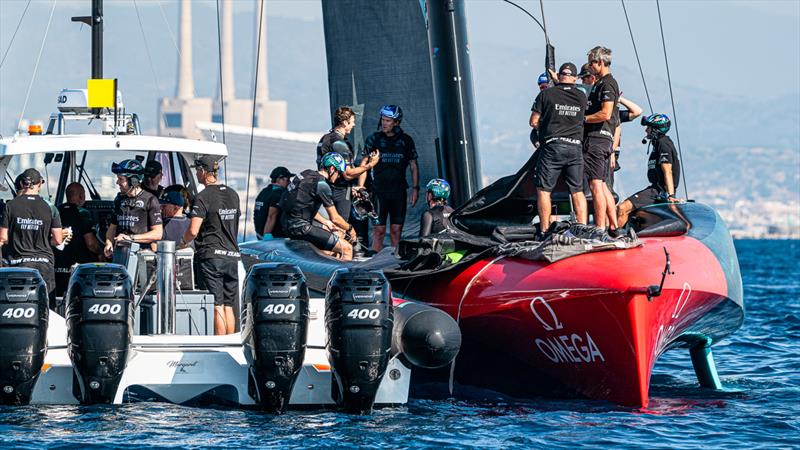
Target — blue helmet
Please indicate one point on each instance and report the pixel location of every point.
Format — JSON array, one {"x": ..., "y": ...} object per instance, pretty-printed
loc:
[
  {"x": 658, "y": 122},
  {"x": 131, "y": 169},
  {"x": 439, "y": 188},
  {"x": 393, "y": 112},
  {"x": 333, "y": 159},
  {"x": 543, "y": 79}
]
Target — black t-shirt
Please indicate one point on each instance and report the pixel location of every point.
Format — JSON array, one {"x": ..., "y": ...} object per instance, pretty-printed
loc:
[
  {"x": 605, "y": 90},
  {"x": 80, "y": 220},
  {"x": 269, "y": 197},
  {"x": 624, "y": 116},
  {"x": 29, "y": 220},
  {"x": 435, "y": 220},
  {"x": 663, "y": 152},
  {"x": 156, "y": 192},
  {"x": 327, "y": 144},
  {"x": 307, "y": 191},
  {"x": 218, "y": 206},
  {"x": 397, "y": 151},
  {"x": 561, "y": 109},
  {"x": 136, "y": 215}
]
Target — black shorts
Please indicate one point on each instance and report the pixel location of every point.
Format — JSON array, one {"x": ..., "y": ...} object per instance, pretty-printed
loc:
[
  {"x": 341, "y": 201},
  {"x": 220, "y": 277},
  {"x": 391, "y": 206},
  {"x": 47, "y": 272},
  {"x": 317, "y": 236},
  {"x": 645, "y": 197},
  {"x": 597, "y": 157},
  {"x": 557, "y": 157}
]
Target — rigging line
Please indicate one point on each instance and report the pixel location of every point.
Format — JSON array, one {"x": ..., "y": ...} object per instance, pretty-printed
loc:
[
  {"x": 15, "y": 34},
  {"x": 544, "y": 23},
  {"x": 36, "y": 67},
  {"x": 253, "y": 118},
  {"x": 672, "y": 100},
  {"x": 529, "y": 15},
  {"x": 636, "y": 52},
  {"x": 221, "y": 92},
  {"x": 172, "y": 37},
  {"x": 149, "y": 58}
]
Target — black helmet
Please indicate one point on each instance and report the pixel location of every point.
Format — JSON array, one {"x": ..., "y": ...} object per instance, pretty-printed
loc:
[
  {"x": 130, "y": 169},
  {"x": 393, "y": 112}
]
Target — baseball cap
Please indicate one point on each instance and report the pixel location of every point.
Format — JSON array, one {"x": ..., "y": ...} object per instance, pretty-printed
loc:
[
  {"x": 543, "y": 79},
  {"x": 280, "y": 172},
  {"x": 171, "y": 198},
  {"x": 585, "y": 72},
  {"x": 208, "y": 162},
  {"x": 153, "y": 168},
  {"x": 568, "y": 69}
]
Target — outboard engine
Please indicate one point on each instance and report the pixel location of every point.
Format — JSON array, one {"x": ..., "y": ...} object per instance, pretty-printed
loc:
[
  {"x": 99, "y": 328},
  {"x": 359, "y": 320},
  {"x": 427, "y": 337},
  {"x": 23, "y": 333},
  {"x": 274, "y": 331}
]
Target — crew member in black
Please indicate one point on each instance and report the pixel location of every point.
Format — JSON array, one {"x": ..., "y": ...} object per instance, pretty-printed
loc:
[
  {"x": 436, "y": 218},
  {"x": 308, "y": 191},
  {"x": 397, "y": 153},
  {"x": 153, "y": 173},
  {"x": 137, "y": 214},
  {"x": 344, "y": 120},
  {"x": 267, "y": 212},
  {"x": 214, "y": 229},
  {"x": 599, "y": 130},
  {"x": 30, "y": 226},
  {"x": 631, "y": 112},
  {"x": 558, "y": 115},
  {"x": 663, "y": 169},
  {"x": 84, "y": 247}
]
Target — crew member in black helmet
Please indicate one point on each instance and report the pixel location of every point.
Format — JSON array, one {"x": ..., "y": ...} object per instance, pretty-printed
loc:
[
  {"x": 84, "y": 247},
  {"x": 153, "y": 173},
  {"x": 31, "y": 226},
  {"x": 267, "y": 211},
  {"x": 437, "y": 218},
  {"x": 137, "y": 213},
  {"x": 397, "y": 153},
  {"x": 214, "y": 229},
  {"x": 663, "y": 169}
]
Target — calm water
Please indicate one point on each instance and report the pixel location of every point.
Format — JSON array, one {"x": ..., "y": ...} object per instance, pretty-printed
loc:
[{"x": 759, "y": 365}]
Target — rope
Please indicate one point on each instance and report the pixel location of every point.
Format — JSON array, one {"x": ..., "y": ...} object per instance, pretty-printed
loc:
[
  {"x": 149, "y": 58},
  {"x": 36, "y": 67},
  {"x": 221, "y": 92},
  {"x": 529, "y": 15},
  {"x": 253, "y": 118},
  {"x": 172, "y": 37},
  {"x": 544, "y": 23},
  {"x": 672, "y": 100},
  {"x": 636, "y": 52},
  {"x": 15, "y": 34}
]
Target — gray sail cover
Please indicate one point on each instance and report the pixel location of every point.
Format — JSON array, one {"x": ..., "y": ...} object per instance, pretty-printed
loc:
[{"x": 378, "y": 54}]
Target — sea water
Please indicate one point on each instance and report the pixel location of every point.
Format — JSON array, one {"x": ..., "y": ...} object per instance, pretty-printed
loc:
[{"x": 759, "y": 366}]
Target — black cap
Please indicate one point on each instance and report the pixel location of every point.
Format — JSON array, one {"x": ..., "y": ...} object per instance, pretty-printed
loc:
[
  {"x": 28, "y": 178},
  {"x": 171, "y": 198},
  {"x": 568, "y": 69},
  {"x": 153, "y": 168},
  {"x": 208, "y": 162},
  {"x": 280, "y": 172},
  {"x": 585, "y": 72}
]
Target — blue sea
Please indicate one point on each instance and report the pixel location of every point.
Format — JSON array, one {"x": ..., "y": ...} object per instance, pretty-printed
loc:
[{"x": 759, "y": 366}]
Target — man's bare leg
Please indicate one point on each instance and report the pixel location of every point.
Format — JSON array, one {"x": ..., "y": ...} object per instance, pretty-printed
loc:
[
  {"x": 395, "y": 231},
  {"x": 581, "y": 208},
  {"x": 623, "y": 212},
  {"x": 230, "y": 320},
  {"x": 599, "y": 200},
  {"x": 543, "y": 206},
  {"x": 220, "y": 322},
  {"x": 378, "y": 233},
  {"x": 611, "y": 208}
]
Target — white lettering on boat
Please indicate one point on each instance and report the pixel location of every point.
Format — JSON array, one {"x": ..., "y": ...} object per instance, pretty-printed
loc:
[
  {"x": 572, "y": 348},
  {"x": 545, "y": 324},
  {"x": 666, "y": 335}
]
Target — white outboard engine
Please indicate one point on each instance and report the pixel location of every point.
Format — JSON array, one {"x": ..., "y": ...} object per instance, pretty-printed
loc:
[
  {"x": 274, "y": 331},
  {"x": 359, "y": 321},
  {"x": 99, "y": 326},
  {"x": 23, "y": 333}
]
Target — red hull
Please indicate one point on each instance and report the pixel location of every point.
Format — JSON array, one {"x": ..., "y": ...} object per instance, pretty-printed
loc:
[{"x": 586, "y": 321}]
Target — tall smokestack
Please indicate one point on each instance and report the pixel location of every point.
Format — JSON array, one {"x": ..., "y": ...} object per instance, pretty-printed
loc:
[
  {"x": 228, "y": 90},
  {"x": 262, "y": 91},
  {"x": 185, "y": 79}
]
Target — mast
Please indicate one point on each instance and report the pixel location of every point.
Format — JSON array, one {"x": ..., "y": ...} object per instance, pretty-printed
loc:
[
  {"x": 455, "y": 110},
  {"x": 95, "y": 21}
]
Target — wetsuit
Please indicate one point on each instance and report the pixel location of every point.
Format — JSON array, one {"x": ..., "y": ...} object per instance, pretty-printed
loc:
[
  {"x": 76, "y": 252},
  {"x": 216, "y": 261},
  {"x": 600, "y": 136},
  {"x": 435, "y": 220},
  {"x": 307, "y": 191},
  {"x": 663, "y": 153},
  {"x": 389, "y": 176},
  {"x": 561, "y": 111},
  {"x": 29, "y": 220},
  {"x": 269, "y": 197}
]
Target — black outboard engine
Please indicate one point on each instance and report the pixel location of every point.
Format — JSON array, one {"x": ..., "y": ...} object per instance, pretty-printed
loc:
[
  {"x": 274, "y": 331},
  {"x": 359, "y": 320},
  {"x": 99, "y": 328},
  {"x": 427, "y": 337},
  {"x": 23, "y": 333}
]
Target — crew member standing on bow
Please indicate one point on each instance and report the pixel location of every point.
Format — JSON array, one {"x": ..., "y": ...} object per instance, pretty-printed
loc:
[
  {"x": 599, "y": 130},
  {"x": 84, "y": 247},
  {"x": 214, "y": 228},
  {"x": 397, "y": 153},
  {"x": 137, "y": 213},
  {"x": 30, "y": 226},
  {"x": 437, "y": 218},
  {"x": 558, "y": 115}
]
